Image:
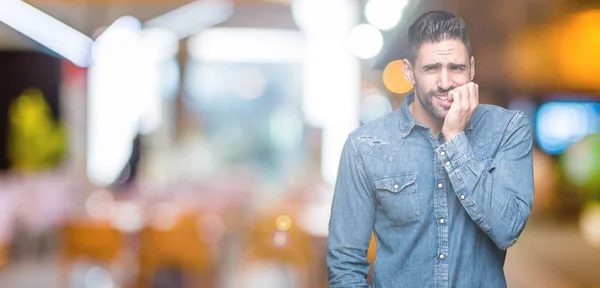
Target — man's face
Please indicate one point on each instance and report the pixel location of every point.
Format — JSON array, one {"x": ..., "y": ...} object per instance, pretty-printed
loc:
[{"x": 438, "y": 68}]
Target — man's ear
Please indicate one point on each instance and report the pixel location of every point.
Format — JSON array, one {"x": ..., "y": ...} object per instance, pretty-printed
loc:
[
  {"x": 472, "y": 68},
  {"x": 408, "y": 72}
]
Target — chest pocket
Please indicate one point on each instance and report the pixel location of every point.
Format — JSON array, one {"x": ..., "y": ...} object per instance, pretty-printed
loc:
[{"x": 399, "y": 198}]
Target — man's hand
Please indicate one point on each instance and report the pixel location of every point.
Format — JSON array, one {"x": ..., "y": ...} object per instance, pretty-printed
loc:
[{"x": 466, "y": 100}]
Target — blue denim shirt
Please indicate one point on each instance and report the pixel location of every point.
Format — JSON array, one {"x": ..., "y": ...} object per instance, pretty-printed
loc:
[{"x": 443, "y": 214}]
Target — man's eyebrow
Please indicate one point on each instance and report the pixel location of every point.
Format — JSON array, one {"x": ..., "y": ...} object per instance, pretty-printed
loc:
[
  {"x": 439, "y": 65},
  {"x": 432, "y": 66},
  {"x": 457, "y": 65}
]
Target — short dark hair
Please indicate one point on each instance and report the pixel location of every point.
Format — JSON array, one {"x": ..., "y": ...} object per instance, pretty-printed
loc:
[{"x": 435, "y": 26}]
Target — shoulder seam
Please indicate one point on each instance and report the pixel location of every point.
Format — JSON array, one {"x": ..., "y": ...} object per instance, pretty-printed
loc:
[
  {"x": 382, "y": 119},
  {"x": 513, "y": 121}
]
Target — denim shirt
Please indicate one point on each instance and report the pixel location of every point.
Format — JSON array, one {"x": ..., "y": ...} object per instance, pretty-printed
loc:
[{"x": 443, "y": 213}]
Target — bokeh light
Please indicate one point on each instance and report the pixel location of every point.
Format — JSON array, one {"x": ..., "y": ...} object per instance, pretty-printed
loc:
[
  {"x": 373, "y": 107},
  {"x": 365, "y": 41},
  {"x": 98, "y": 277},
  {"x": 589, "y": 223},
  {"x": 100, "y": 204},
  {"x": 578, "y": 53},
  {"x": 393, "y": 78},
  {"x": 384, "y": 14},
  {"x": 128, "y": 217},
  {"x": 581, "y": 165},
  {"x": 164, "y": 216},
  {"x": 283, "y": 222},
  {"x": 280, "y": 239},
  {"x": 559, "y": 124}
]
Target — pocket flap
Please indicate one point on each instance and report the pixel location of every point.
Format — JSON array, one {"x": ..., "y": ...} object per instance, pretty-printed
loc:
[{"x": 395, "y": 184}]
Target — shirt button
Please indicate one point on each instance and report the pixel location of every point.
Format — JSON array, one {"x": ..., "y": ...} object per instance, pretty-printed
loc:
[
  {"x": 442, "y": 220},
  {"x": 443, "y": 153},
  {"x": 440, "y": 185},
  {"x": 395, "y": 186},
  {"x": 462, "y": 197},
  {"x": 447, "y": 164},
  {"x": 442, "y": 256}
]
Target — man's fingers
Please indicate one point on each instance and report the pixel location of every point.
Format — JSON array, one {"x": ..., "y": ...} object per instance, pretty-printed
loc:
[
  {"x": 465, "y": 99},
  {"x": 476, "y": 96},
  {"x": 472, "y": 96},
  {"x": 455, "y": 98}
]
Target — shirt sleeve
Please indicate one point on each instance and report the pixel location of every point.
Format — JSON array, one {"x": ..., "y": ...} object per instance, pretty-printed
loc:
[
  {"x": 496, "y": 193},
  {"x": 351, "y": 222}
]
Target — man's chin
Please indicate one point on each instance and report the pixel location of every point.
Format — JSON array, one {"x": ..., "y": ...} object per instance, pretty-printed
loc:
[
  {"x": 440, "y": 118},
  {"x": 440, "y": 115},
  {"x": 440, "y": 112}
]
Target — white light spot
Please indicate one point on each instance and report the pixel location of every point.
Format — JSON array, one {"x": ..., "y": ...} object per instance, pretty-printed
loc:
[
  {"x": 384, "y": 14},
  {"x": 365, "y": 41}
]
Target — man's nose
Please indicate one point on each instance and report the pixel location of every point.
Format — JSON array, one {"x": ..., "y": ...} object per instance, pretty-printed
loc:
[{"x": 444, "y": 81}]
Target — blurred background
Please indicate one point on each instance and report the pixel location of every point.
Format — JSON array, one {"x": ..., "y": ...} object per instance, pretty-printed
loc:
[{"x": 155, "y": 143}]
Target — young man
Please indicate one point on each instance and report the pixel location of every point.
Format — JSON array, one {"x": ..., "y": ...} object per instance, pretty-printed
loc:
[{"x": 445, "y": 184}]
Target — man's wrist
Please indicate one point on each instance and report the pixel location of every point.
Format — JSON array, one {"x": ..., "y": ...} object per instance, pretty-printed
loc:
[
  {"x": 455, "y": 152},
  {"x": 449, "y": 135}
]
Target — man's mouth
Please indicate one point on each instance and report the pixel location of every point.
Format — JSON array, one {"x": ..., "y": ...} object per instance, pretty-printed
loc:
[{"x": 444, "y": 97}]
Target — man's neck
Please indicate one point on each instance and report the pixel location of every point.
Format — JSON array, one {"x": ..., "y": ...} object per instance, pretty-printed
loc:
[{"x": 424, "y": 118}]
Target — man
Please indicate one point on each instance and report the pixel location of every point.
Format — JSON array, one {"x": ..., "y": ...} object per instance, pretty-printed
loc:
[{"x": 445, "y": 184}]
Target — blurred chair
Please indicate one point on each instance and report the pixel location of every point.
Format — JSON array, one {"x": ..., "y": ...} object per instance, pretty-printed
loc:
[
  {"x": 278, "y": 245},
  {"x": 89, "y": 240},
  {"x": 179, "y": 246}
]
